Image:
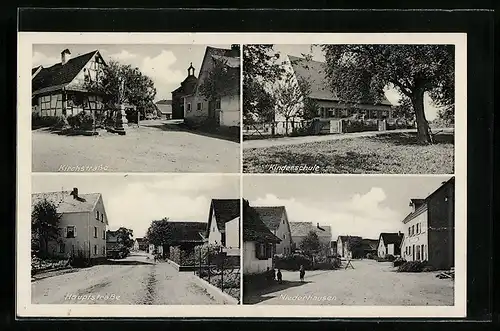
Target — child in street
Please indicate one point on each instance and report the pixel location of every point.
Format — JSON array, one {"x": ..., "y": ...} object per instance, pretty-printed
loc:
[{"x": 279, "y": 276}]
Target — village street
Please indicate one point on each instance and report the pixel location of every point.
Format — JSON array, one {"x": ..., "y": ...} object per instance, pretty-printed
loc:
[
  {"x": 155, "y": 146},
  {"x": 131, "y": 281},
  {"x": 370, "y": 283}
]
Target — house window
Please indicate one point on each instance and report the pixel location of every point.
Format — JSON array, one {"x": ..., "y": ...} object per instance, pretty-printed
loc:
[
  {"x": 62, "y": 248},
  {"x": 189, "y": 107},
  {"x": 70, "y": 232},
  {"x": 417, "y": 227},
  {"x": 263, "y": 251},
  {"x": 95, "y": 231},
  {"x": 97, "y": 215},
  {"x": 198, "y": 106},
  {"x": 103, "y": 234},
  {"x": 418, "y": 252},
  {"x": 412, "y": 230},
  {"x": 95, "y": 250},
  {"x": 103, "y": 250},
  {"x": 409, "y": 250},
  {"x": 102, "y": 217},
  {"x": 409, "y": 231},
  {"x": 284, "y": 236},
  {"x": 217, "y": 104}
]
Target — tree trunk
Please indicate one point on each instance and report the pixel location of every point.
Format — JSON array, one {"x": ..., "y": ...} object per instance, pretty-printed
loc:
[
  {"x": 286, "y": 126},
  {"x": 423, "y": 134}
]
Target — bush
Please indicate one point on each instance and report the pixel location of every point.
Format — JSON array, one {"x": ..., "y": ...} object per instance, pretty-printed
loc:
[
  {"x": 412, "y": 266},
  {"x": 390, "y": 257},
  {"x": 293, "y": 262},
  {"x": 38, "y": 121},
  {"x": 397, "y": 262},
  {"x": 353, "y": 125},
  {"x": 371, "y": 256},
  {"x": 81, "y": 121}
]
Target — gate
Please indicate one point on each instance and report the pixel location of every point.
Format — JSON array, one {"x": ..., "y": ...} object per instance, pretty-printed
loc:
[
  {"x": 218, "y": 269},
  {"x": 335, "y": 126}
]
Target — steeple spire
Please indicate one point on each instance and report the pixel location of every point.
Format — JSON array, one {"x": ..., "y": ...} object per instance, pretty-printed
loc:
[{"x": 191, "y": 70}]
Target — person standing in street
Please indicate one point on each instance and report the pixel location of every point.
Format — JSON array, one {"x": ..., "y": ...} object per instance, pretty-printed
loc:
[{"x": 302, "y": 272}]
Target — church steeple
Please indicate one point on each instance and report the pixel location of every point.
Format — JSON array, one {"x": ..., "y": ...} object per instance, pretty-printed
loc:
[{"x": 191, "y": 70}]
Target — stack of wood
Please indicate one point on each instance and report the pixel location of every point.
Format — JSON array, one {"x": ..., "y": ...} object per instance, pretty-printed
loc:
[{"x": 447, "y": 274}]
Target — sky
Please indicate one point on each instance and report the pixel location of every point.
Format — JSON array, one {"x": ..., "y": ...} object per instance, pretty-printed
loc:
[
  {"x": 133, "y": 201},
  {"x": 391, "y": 94},
  {"x": 352, "y": 205},
  {"x": 166, "y": 65}
]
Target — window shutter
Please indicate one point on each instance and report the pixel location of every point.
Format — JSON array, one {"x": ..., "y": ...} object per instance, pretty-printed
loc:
[
  {"x": 64, "y": 232},
  {"x": 74, "y": 231}
]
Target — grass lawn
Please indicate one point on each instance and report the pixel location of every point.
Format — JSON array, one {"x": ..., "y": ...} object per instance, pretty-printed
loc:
[{"x": 393, "y": 153}]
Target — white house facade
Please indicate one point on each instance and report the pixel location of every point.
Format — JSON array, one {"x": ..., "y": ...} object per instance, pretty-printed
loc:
[{"x": 82, "y": 226}]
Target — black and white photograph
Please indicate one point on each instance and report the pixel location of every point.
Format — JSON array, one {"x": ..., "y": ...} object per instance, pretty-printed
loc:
[
  {"x": 253, "y": 175},
  {"x": 135, "y": 240},
  {"x": 360, "y": 241},
  {"x": 357, "y": 108},
  {"x": 135, "y": 108}
]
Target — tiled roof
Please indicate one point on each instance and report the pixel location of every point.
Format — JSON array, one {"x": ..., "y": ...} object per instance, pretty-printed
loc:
[
  {"x": 225, "y": 210},
  {"x": 111, "y": 236},
  {"x": 60, "y": 75},
  {"x": 314, "y": 72},
  {"x": 232, "y": 62},
  {"x": 271, "y": 216},
  {"x": 392, "y": 238},
  {"x": 164, "y": 106},
  {"x": 254, "y": 229},
  {"x": 301, "y": 229},
  {"x": 423, "y": 206},
  {"x": 65, "y": 202},
  {"x": 187, "y": 231},
  {"x": 369, "y": 244}
]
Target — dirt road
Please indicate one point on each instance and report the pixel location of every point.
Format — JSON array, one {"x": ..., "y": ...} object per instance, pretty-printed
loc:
[
  {"x": 131, "y": 281},
  {"x": 371, "y": 283},
  {"x": 153, "y": 147}
]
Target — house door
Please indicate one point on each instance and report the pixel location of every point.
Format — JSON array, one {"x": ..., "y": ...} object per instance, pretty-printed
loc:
[{"x": 382, "y": 125}]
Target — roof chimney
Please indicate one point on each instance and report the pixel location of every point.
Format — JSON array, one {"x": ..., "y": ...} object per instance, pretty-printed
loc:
[
  {"x": 74, "y": 193},
  {"x": 65, "y": 56}
]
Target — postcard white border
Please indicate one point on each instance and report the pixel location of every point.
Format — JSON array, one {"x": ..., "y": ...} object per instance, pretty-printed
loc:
[{"x": 24, "y": 308}]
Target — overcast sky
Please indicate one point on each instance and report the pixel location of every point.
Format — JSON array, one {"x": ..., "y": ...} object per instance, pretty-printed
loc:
[
  {"x": 391, "y": 94},
  {"x": 135, "y": 200},
  {"x": 166, "y": 65},
  {"x": 351, "y": 205}
]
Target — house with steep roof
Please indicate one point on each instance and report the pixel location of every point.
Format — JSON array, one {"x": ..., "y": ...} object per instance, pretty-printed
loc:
[
  {"x": 429, "y": 229},
  {"x": 141, "y": 244},
  {"x": 61, "y": 89},
  {"x": 330, "y": 106},
  {"x": 82, "y": 226},
  {"x": 164, "y": 109},
  {"x": 258, "y": 243},
  {"x": 224, "y": 224},
  {"x": 300, "y": 230},
  {"x": 276, "y": 220},
  {"x": 225, "y": 111},
  {"x": 349, "y": 246},
  {"x": 369, "y": 247},
  {"x": 389, "y": 244}
]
